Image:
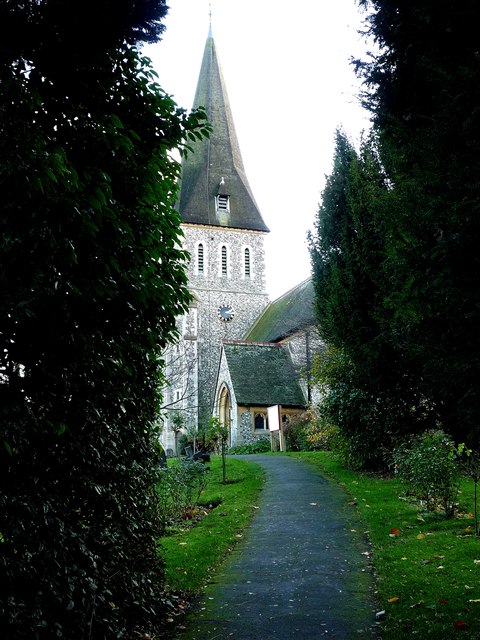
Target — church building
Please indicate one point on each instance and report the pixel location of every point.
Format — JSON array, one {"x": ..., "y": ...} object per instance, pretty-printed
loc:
[{"x": 224, "y": 235}]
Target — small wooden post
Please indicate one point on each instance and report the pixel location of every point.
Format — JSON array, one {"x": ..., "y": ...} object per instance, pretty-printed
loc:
[{"x": 281, "y": 435}]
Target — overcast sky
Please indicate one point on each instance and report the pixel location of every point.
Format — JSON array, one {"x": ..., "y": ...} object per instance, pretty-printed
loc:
[{"x": 290, "y": 85}]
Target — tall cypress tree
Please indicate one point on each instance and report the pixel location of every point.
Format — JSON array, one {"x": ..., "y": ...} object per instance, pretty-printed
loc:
[
  {"x": 424, "y": 92},
  {"x": 368, "y": 394},
  {"x": 344, "y": 247}
]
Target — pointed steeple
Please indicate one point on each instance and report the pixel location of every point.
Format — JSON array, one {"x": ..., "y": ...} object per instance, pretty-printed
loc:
[{"x": 214, "y": 189}]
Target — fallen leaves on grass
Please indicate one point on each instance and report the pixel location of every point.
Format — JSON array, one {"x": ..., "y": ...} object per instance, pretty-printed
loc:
[
  {"x": 460, "y": 624},
  {"x": 394, "y": 532},
  {"x": 394, "y": 599}
]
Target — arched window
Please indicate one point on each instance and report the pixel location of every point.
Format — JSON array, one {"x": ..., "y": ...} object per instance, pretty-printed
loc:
[
  {"x": 224, "y": 268},
  {"x": 260, "y": 421},
  {"x": 248, "y": 272},
  {"x": 200, "y": 259}
]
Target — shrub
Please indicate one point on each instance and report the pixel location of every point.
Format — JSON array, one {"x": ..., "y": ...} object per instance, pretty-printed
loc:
[
  {"x": 181, "y": 485},
  {"x": 262, "y": 445},
  {"x": 296, "y": 436},
  {"x": 310, "y": 432},
  {"x": 427, "y": 467},
  {"x": 320, "y": 435},
  {"x": 93, "y": 276}
]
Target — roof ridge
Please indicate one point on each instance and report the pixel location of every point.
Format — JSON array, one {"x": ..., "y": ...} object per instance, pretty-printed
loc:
[{"x": 252, "y": 343}]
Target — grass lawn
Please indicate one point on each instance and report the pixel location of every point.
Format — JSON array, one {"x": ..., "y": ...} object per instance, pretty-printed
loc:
[
  {"x": 427, "y": 568},
  {"x": 192, "y": 555}
]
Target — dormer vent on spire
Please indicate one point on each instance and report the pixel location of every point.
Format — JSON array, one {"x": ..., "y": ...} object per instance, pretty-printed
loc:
[{"x": 222, "y": 199}]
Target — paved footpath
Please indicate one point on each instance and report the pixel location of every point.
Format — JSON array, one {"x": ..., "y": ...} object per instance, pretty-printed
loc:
[{"x": 300, "y": 574}]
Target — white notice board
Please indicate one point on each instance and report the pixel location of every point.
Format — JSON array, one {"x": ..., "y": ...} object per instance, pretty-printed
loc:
[{"x": 274, "y": 418}]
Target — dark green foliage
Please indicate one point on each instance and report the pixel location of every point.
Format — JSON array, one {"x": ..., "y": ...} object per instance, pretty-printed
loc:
[
  {"x": 296, "y": 436},
  {"x": 395, "y": 258},
  {"x": 428, "y": 468},
  {"x": 347, "y": 251},
  {"x": 309, "y": 432},
  {"x": 423, "y": 88},
  {"x": 91, "y": 278},
  {"x": 369, "y": 391},
  {"x": 366, "y": 416},
  {"x": 470, "y": 463},
  {"x": 181, "y": 484},
  {"x": 78, "y": 29}
]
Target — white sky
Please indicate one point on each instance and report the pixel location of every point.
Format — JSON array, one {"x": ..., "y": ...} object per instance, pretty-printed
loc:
[{"x": 290, "y": 85}]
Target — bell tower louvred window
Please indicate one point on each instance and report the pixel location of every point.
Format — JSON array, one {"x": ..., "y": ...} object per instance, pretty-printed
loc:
[
  {"x": 223, "y": 203},
  {"x": 222, "y": 199},
  {"x": 224, "y": 260},
  {"x": 200, "y": 259},
  {"x": 247, "y": 263}
]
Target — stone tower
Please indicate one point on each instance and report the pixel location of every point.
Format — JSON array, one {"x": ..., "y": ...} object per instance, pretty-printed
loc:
[{"x": 224, "y": 235}]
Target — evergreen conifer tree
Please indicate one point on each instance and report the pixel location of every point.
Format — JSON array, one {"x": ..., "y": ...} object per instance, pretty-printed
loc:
[{"x": 424, "y": 92}]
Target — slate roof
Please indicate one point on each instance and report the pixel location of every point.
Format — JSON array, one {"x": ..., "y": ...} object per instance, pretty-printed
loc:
[
  {"x": 216, "y": 158},
  {"x": 292, "y": 312},
  {"x": 263, "y": 375}
]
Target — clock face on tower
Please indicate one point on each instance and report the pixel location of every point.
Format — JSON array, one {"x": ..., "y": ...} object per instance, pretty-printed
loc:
[{"x": 226, "y": 313}]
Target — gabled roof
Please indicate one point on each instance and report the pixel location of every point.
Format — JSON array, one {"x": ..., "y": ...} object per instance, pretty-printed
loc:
[
  {"x": 263, "y": 375},
  {"x": 290, "y": 313},
  {"x": 217, "y": 160}
]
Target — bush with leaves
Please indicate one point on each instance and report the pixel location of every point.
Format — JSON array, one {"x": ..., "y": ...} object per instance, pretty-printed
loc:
[
  {"x": 319, "y": 433},
  {"x": 92, "y": 277},
  {"x": 363, "y": 423},
  {"x": 181, "y": 485},
  {"x": 427, "y": 466},
  {"x": 261, "y": 445},
  {"x": 311, "y": 432},
  {"x": 295, "y": 435}
]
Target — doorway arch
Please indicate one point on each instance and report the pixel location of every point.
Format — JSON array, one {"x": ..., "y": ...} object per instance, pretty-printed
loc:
[{"x": 225, "y": 411}]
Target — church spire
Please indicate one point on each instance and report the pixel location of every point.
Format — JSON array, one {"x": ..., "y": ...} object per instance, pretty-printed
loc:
[{"x": 214, "y": 189}]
